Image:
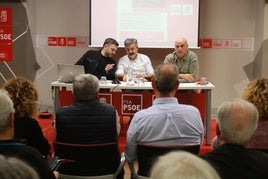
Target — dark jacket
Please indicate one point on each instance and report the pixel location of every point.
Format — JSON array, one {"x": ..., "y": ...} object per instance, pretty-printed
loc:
[
  {"x": 235, "y": 161},
  {"x": 28, "y": 130},
  {"x": 28, "y": 154},
  {"x": 87, "y": 122}
]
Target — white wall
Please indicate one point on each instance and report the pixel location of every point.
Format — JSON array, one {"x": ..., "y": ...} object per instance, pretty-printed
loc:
[{"x": 61, "y": 17}]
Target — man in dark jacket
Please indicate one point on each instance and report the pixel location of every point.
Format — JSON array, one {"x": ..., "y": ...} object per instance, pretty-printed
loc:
[
  {"x": 87, "y": 121},
  {"x": 100, "y": 63},
  {"x": 237, "y": 120}
]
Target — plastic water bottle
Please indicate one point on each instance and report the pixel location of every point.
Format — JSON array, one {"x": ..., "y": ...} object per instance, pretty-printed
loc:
[{"x": 130, "y": 75}]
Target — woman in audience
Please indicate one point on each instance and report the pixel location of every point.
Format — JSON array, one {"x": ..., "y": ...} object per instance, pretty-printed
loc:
[
  {"x": 183, "y": 165},
  {"x": 256, "y": 92},
  {"x": 14, "y": 168},
  {"x": 25, "y": 98}
]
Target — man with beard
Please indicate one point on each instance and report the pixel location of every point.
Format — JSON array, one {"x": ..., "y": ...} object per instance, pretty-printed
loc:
[
  {"x": 100, "y": 63},
  {"x": 185, "y": 59},
  {"x": 139, "y": 64}
]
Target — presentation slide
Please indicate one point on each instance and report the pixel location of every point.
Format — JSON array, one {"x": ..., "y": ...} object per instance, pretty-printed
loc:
[{"x": 154, "y": 23}]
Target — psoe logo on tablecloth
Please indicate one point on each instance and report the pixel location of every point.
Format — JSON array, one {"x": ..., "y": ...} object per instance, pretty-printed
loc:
[
  {"x": 131, "y": 103},
  {"x": 105, "y": 98}
]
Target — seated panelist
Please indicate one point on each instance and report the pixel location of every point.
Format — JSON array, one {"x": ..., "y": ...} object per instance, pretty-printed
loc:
[
  {"x": 100, "y": 63},
  {"x": 139, "y": 65},
  {"x": 185, "y": 59}
]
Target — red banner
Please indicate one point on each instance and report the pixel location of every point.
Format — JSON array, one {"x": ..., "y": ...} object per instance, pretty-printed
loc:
[
  {"x": 5, "y": 34},
  {"x": 5, "y": 52},
  {"x": 52, "y": 41},
  {"x": 5, "y": 16}
]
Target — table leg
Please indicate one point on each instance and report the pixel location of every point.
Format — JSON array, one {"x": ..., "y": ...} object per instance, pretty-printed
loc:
[
  {"x": 208, "y": 115},
  {"x": 56, "y": 98}
]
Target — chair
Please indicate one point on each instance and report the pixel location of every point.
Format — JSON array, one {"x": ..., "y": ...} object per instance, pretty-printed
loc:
[
  {"x": 148, "y": 154},
  {"x": 89, "y": 160}
]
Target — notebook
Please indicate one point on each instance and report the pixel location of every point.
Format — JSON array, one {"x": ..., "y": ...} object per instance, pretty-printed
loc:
[{"x": 68, "y": 72}]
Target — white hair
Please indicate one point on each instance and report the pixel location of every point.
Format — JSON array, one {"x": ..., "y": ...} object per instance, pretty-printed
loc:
[
  {"x": 183, "y": 165},
  {"x": 6, "y": 109}
]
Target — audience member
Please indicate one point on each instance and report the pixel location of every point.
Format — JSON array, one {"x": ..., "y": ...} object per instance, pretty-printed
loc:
[
  {"x": 140, "y": 64},
  {"x": 185, "y": 59},
  {"x": 24, "y": 95},
  {"x": 183, "y": 165},
  {"x": 87, "y": 121},
  {"x": 237, "y": 121},
  {"x": 100, "y": 63},
  {"x": 14, "y": 168},
  {"x": 166, "y": 122},
  {"x": 256, "y": 92},
  {"x": 10, "y": 147}
]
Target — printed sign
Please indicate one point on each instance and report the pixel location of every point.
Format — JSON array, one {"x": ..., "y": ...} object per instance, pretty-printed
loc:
[
  {"x": 245, "y": 43},
  {"x": 131, "y": 103},
  {"x": 52, "y": 41},
  {"x": 105, "y": 98},
  {"x": 5, "y": 52},
  {"x": 62, "y": 41},
  {"x": 71, "y": 41},
  {"x": 5, "y": 34},
  {"x": 5, "y": 16}
]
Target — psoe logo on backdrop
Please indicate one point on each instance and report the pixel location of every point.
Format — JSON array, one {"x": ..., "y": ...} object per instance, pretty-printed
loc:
[
  {"x": 6, "y": 16},
  {"x": 131, "y": 103}
]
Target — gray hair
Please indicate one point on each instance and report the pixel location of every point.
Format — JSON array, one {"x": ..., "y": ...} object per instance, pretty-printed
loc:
[
  {"x": 85, "y": 87},
  {"x": 130, "y": 41},
  {"x": 166, "y": 77},
  {"x": 14, "y": 168},
  {"x": 6, "y": 109},
  {"x": 184, "y": 165},
  {"x": 237, "y": 121}
]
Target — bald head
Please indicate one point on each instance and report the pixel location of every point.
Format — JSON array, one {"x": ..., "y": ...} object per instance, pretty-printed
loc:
[
  {"x": 181, "y": 47},
  {"x": 181, "y": 40}
]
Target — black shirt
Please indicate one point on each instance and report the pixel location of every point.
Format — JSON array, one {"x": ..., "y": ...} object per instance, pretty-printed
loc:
[
  {"x": 29, "y": 131},
  {"x": 94, "y": 63},
  {"x": 235, "y": 161}
]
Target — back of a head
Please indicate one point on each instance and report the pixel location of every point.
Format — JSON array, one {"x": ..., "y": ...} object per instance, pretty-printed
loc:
[
  {"x": 166, "y": 77},
  {"x": 14, "y": 168},
  {"x": 237, "y": 121},
  {"x": 24, "y": 95},
  {"x": 85, "y": 87},
  {"x": 256, "y": 92},
  {"x": 6, "y": 109},
  {"x": 183, "y": 165}
]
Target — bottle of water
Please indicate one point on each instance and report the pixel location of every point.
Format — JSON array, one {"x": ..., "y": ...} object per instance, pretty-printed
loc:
[{"x": 130, "y": 75}]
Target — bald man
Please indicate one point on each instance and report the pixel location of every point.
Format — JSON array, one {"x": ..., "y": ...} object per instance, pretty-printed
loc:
[{"x": 185, "y": 59}]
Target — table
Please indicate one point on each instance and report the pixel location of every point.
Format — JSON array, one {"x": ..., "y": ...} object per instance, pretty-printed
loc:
[{"x": 128, "y": 99}]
